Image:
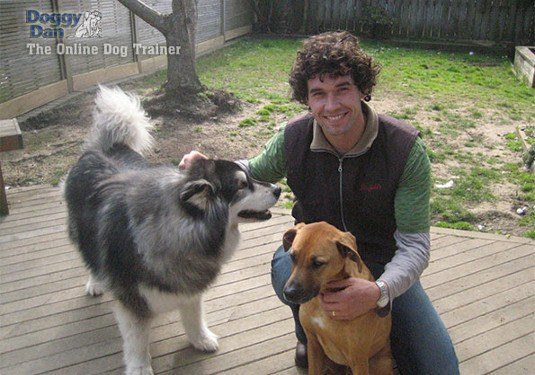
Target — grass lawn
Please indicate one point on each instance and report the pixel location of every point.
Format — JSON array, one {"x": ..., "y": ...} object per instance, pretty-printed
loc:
[{"x": 465, "y": 105}]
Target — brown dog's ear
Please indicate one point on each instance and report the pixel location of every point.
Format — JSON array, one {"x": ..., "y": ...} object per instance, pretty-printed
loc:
[
  {"x": 289, "y": 236},
  {"x": 347, "y": 246}
]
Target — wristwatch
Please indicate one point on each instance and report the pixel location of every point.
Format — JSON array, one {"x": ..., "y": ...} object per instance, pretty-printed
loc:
[{"x": 383, "y": 299}]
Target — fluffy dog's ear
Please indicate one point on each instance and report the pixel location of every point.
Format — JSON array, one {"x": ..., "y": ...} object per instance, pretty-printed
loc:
[
  {"x": 347, "y": 246},
  {"x": 197, "y": 193},
  {"x": 289, "y": 236}
]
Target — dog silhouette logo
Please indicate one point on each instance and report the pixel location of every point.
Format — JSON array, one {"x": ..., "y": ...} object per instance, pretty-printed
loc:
[{"x": 90, "y": 26}]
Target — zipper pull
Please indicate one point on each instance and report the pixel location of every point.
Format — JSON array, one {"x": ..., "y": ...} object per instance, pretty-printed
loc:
[{"x": 340, "y": 165}]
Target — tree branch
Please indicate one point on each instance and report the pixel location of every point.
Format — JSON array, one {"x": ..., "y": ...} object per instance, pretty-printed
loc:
[{"x": 147, "y": 14}]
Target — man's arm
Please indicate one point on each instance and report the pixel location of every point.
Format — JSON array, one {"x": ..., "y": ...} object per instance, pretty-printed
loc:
[
  {"x": 270, "y": 164},
  {"x": 412, "y": 218},
  {"x": 410, "y": 260}
]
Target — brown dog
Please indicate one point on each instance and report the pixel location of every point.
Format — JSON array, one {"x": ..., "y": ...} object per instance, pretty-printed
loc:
[{"x": 322, "y": 253}]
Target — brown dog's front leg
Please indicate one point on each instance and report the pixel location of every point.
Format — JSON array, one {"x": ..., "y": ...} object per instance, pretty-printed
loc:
[
  {"x": 361, "y": 368},
  {"x": 315, "y": 354},
  {"x": 381, "y": 363}
]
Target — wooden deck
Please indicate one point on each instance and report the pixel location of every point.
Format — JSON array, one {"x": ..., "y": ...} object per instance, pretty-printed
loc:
[{"x": 482, "y": 285}]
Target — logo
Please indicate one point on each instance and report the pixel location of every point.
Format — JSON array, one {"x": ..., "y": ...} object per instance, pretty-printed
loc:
[
  {"x": 54, "y": 25},
  {"x": 91, "y": 26},
  {"x": 81, "y": 26},
  {"x": 370, "y": 187}
]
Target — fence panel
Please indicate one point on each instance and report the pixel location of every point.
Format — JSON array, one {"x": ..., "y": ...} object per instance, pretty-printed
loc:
[
  {"x": 114, "y": 44},
  {"x": 237, "y": 14},
  {"x": 145, "y": 33},
  {"x": 21, "y": 72},
  {"x": 209, "y": 20},
  {"x": 500, "y": 21}
]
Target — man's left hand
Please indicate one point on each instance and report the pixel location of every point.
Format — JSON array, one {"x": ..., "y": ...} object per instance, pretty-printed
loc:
[{"x": 357, "y": 297}]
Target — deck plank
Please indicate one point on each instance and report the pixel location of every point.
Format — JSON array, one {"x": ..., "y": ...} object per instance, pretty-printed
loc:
[
  {"x": 488, "y": 321},
  {"x": 498, "y": 336},
  {"x": 482, "y": 285},
  {"x": 522, "y": 366},
  {"x": 500, "y": 356}
]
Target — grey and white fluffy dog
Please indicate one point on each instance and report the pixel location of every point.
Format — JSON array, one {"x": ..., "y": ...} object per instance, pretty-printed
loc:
[{"x": 155, "y": 237}]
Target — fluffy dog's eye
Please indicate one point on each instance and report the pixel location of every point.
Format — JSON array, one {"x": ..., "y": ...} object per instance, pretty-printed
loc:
[{"x": 242, "y": 184}]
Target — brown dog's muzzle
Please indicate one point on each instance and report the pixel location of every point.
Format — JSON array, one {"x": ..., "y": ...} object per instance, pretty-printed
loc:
[{"x": 295, "y": 292}]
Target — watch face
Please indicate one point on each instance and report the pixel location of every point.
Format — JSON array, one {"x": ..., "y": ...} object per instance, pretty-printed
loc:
[{"x": 383, "y": 299}]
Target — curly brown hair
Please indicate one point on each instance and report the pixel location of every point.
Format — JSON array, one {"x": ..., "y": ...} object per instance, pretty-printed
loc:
[{"x": 335, "y": 54}]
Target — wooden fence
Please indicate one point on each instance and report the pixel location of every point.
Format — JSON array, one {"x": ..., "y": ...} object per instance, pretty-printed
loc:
[
  {"x": 30, "y": 80},
  {"x": 490, "y": 22}
]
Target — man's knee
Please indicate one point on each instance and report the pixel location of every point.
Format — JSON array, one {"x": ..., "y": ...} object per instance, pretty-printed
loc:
[
  {"x": 420, "y": 340},
  {"x": 281, "y": 268}
]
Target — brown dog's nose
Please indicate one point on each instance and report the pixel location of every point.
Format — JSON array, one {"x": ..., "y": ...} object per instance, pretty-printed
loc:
[{"x": 291, "y": 292}]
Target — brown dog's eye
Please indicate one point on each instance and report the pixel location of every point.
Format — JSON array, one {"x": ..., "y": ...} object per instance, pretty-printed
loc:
[{"x": 317, "y": 263}]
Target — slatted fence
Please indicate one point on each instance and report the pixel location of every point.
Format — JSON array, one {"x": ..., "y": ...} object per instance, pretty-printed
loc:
[{"x": 487, "y": 21}]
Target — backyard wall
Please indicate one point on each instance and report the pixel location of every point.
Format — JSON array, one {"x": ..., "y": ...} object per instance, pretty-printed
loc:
[
  {"x": 486, "y": 22},
  {"x": 28, "y": 81}
]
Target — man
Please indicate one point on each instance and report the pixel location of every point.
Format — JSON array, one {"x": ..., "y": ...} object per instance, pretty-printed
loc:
[{"x": 364, "y": 173}]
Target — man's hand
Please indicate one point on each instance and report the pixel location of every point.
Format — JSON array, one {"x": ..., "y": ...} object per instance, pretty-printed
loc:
[
  {"x": 358, "y": 297},
  {"x": 188, "y": 159}
]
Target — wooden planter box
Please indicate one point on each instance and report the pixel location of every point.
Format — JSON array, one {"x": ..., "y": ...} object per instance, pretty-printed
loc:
[{"x": 524, "y": 65}]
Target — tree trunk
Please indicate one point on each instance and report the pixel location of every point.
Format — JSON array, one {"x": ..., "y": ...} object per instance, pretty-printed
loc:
[
  {"x": 181, "y": 74},
  {"x": 179, "y": 31}
]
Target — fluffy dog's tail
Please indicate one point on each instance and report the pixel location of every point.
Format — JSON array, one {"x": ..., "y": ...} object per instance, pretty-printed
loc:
[{"x": 118, "y": 118}]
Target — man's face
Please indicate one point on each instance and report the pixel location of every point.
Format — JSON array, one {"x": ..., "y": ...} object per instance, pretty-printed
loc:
[{"x": 335, "y": 103}]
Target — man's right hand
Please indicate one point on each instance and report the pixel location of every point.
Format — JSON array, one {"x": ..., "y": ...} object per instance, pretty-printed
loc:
[{"x": 188, "y": 159}]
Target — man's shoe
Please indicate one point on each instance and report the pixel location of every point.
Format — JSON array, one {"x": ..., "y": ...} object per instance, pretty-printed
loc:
[{"x": 301, "y": 359}]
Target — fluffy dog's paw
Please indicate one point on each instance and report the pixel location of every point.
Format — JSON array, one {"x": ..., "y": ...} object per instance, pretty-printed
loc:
[
  {"x": 94, "y": 288},
  {"x": 139, "y": 370},
  {"x": 206, "y": 341}
]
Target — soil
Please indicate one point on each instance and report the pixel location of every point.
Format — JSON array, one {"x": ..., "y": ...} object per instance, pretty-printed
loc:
[{"x": 53, "y": 139}]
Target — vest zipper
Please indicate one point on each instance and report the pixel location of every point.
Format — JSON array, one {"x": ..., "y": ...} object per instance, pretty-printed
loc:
[
  {"x": 340, "y": 171},
  {"x": 341, "y": 179}
]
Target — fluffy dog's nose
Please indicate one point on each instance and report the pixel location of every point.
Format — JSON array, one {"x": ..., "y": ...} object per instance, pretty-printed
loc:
[{"x": 277, "y": 192}]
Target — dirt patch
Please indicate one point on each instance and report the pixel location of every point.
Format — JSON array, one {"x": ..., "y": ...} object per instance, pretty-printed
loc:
[
  {"x": 53, "y": 139},
  {"x": 208, "y": 105}
]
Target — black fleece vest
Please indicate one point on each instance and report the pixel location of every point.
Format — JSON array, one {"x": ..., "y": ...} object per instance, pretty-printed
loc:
[{"x": 367, "y": 183}]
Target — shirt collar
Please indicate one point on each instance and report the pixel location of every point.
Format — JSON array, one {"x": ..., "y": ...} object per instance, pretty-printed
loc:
[{"x": 320, "y": 143}]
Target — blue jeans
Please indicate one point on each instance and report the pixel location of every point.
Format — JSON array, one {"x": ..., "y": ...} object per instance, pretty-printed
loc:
[{"x": 420, "y": 341}]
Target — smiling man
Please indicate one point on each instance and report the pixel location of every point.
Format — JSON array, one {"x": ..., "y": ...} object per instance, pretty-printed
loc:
[{"x": 367, "y": 174}]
